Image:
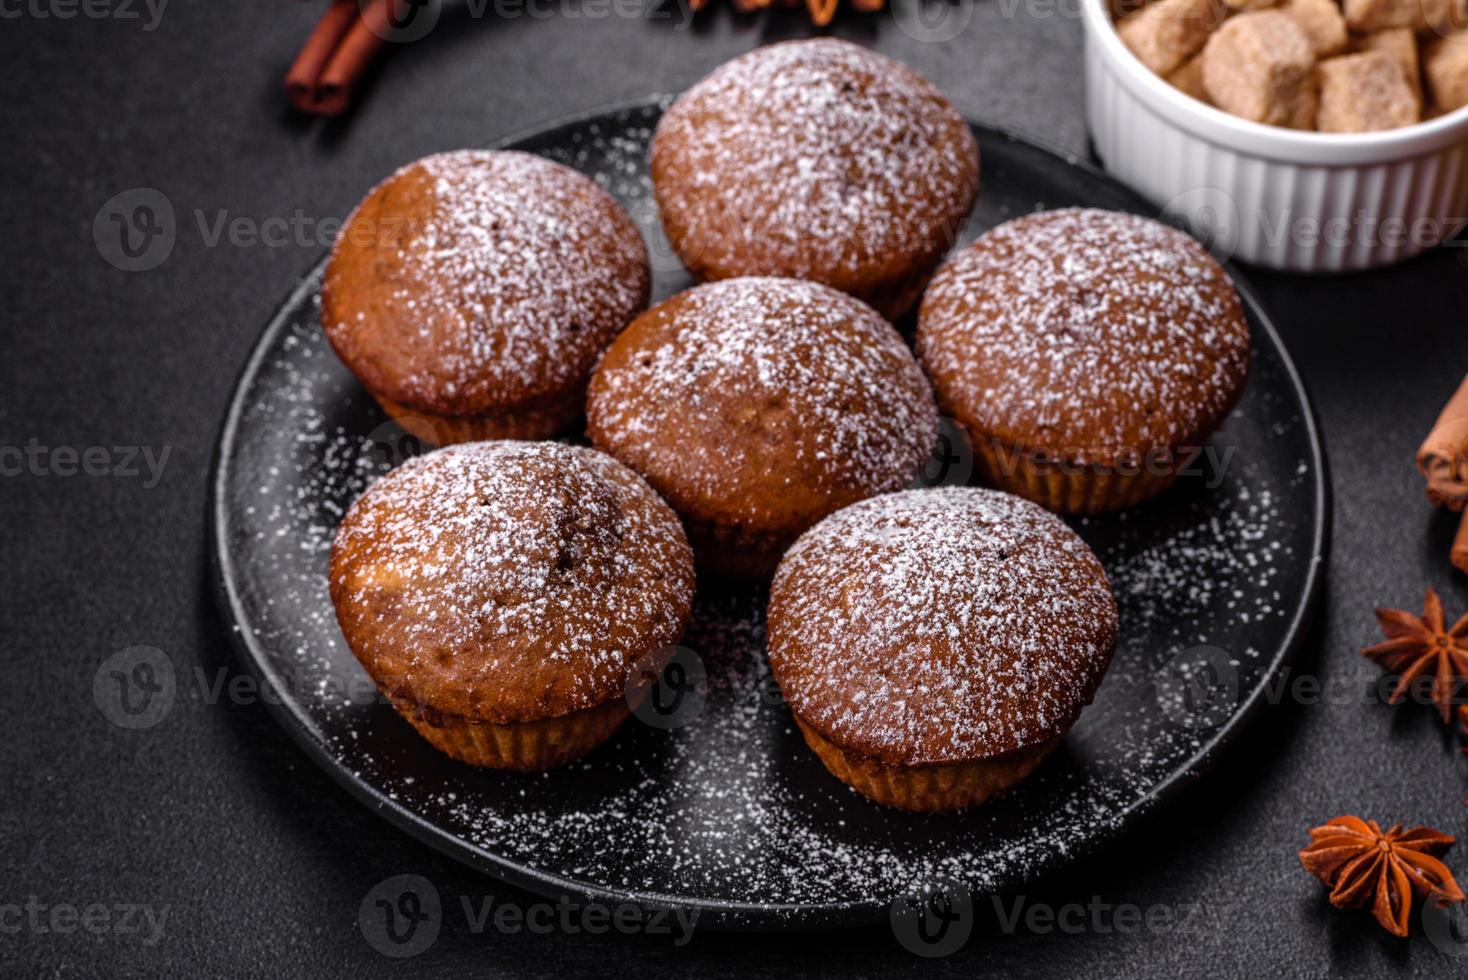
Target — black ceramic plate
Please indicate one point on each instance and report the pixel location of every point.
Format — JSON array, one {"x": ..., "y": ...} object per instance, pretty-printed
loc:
[{"x": 729, "y": 813}]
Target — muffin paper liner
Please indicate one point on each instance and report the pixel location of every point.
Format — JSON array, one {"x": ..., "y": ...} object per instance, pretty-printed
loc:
[
  {"x": 1081, "y": 490},
  {"x": 530, "y": 745},
  {"x": 927, "y": 789},
  {"x": 735, "y": 552},
  {"x": 540, "y": 418}
]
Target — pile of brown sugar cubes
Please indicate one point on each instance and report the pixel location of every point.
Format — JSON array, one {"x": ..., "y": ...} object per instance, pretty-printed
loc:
[{"x": 1348, "y": 67}]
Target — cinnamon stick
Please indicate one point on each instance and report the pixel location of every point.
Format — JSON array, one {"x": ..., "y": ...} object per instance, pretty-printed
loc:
[
  {"x": 1443, "y": 457},
  {"x": 338, "y": 53},
  {"x": 305, "y": 72},
  {"x": 363, "y": 40},
  {"x": 1459, "y": 553}
]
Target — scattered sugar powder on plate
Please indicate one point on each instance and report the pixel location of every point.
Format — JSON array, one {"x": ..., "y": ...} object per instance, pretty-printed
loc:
[{"x": 732, "y": 807}]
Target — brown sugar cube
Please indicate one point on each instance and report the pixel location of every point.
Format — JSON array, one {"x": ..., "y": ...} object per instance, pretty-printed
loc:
[
  {"x": 1321, "y": 21},
  {"x": 1260, "y": 66},
  {"x": 1363, "y": 16},
  {"x": 1361, "y": 93},
  {"x": 1445, "y": 63},
  {"x": 1188, "y": 79},
  {"x": 1125, "y": 8},
  {"x": 1168, "y": 32},
  {"x": 1401, "y": 44}
]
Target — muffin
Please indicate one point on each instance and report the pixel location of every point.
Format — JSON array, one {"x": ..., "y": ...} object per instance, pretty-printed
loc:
[
  {"x": 498, "y": 593},
  {"x": 1089, "y": 354},
  {"x": 758, "y": 406},
  {"x": 475, "y": 290},
  {"x": 819, "y": 160},
  {"x": 934, "y": 645}
]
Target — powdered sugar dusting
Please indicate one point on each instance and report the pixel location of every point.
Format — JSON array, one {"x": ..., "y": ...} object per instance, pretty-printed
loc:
[
  {"x": 811, "y": 158},
  {"x": 474, "y": 279},
  {"x": 733, "y": 809},
  {"x": 1092, "y": 334},
  {"x": 736, "y": 395},
  {"x": 940, "y": 625}
]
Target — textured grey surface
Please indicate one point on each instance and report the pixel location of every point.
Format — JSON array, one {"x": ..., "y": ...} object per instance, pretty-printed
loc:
[{"x": 261, "y": 861}]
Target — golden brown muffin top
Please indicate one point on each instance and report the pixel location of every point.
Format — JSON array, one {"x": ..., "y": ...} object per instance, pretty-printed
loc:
[
  {"x": 816, "y": 159},
  {"x": 476, "y": 280},
  {"x": 762, "y": 402},
  {"x": 940, "y": 626},
  {"x": 509, "y": 581},
  {"x": 1091, "y": 335}
]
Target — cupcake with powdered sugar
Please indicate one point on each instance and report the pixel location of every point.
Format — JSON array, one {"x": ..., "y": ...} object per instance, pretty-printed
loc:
[
  {"x": 758, "y": 406},
  {"x": 819, "y": 160},
  {"x": 507, "y": 596},
  {"x": 935, "y": 645},
  {"x": 474, "y": 291},
  {"x": 1089, "y": 354}
]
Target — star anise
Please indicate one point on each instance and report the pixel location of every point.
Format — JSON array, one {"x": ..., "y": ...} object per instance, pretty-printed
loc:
[
  {"x": 822, "y": 12},
  {"x": 1367, "y": 868},
  {"x": 1417, "y": 645}
]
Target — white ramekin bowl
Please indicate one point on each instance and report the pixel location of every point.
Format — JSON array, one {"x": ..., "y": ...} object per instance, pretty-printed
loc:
[{"x": 1283, "y": 198}]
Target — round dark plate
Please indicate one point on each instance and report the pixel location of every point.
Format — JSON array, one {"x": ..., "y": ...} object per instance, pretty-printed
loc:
[{"x": 730, "y": 813}]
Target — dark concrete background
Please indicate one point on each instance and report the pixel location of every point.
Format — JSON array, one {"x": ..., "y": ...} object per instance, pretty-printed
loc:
[{"x": 259, "y": 859}]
